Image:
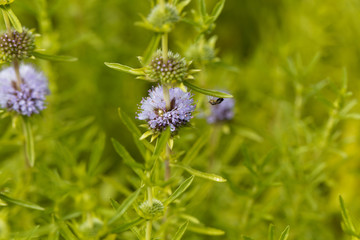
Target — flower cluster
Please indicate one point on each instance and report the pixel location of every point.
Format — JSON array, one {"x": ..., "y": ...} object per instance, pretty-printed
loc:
[
  {"x": 153, "y": 109},
  {"x": 17, "y": 46},
  {"x": 174, "y": 69},
  {"x": 222, "y": 112},
  {"x": 29, "y": 97},
  {"x": 161, "y": 16}
]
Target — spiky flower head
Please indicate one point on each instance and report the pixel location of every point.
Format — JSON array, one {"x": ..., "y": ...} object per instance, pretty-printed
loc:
[
  {"x": 17, "y": 46},
  {"x": 29, "y": 97},
  {"x": 223, "y": 111},
  {"x": 153, "y": 109},
  {"x": 151, "y": 210},
  {"x": 174, "y": 69},
  {"x": 162, "y": 17}
]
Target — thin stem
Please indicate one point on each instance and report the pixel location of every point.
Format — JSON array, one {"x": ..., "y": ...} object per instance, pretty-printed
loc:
[
  {"x": 167, "y": 163},
  {"x": 15, "y": 61},
  {"x": 166, "y": 96},
  {"x": 7, "y": 23},
  {"x": 165, "y": 43},
  {"x": 148, "y": 230},
  {"x": 149, "y": 222},
  {"x": 17, "y": 72}
]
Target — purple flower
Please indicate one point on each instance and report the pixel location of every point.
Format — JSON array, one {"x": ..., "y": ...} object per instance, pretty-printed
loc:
[
  {"x": 153, "y": 110},
  {"x": 29, "y": 97},
  {"x": 222, "y": 112}
]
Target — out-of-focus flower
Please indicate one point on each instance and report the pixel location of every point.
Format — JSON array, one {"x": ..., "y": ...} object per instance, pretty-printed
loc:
[
  {"x": 162, "y": 17},
  {"x": 29, "y": 97},
  {"x": 153, "y": 109},
  {"x": 223, "y": 111}
]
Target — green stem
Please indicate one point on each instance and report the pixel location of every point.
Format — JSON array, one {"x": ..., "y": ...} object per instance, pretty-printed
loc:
[
  {"x": 149, "y": 222},
  {"x": 28, "y": 142},
  {"x": 165, "y": 43},
  {"x": 15, "y": 61},
  {"x": 166, "y": 96},
  {"x": 7, "y": 22},
  {"x": 148, "y": 230}
]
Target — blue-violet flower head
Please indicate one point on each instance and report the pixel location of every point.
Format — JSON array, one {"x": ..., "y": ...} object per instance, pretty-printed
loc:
[
  {"x": 29, "y": 97},
  {"x": 222, "y": 112},
  {"x": 153, "y": 109}
]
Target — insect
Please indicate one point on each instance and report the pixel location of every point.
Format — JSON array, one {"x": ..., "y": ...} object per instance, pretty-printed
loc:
[{"x": 215, "y": 101}]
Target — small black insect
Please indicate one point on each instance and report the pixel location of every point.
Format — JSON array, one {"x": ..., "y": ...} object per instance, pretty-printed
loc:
[{"x": 215, "y": 101}]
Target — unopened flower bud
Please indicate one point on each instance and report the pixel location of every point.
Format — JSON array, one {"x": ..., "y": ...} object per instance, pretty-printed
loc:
[
  {"x": 152, "y": 210},
  {"x": 162, "y": 16}
]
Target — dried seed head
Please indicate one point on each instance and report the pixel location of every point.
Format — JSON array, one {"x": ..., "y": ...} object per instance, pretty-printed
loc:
[
  {"x": 18, "y": 46},
  {"x": 174, "y": 69}
]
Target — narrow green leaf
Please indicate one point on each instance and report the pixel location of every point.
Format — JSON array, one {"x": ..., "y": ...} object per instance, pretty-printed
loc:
[
  {"x": 128, "y": 225},
  {"x": 206, "y": 230},
  {"x": 114, "y": 204},
  {"x": 247, "y": 238},
  {"x": 217, "y": 9},
  {"x": 180, "y": 232},
  {"x": 32, "y": 233},
  {"x": 207, "y": 92},
  {"x": 123, "y": 68},
  {"x": 197, "y": 173},
  {"x": 271, "y": 232},
  {"x": 250, "y": 134},
  {"x": 152, "y": 47},
  {"x": 285, "y": 234},
  {"x": 194, "y": 150},
  {"x": 355, "y": 116},
  {"x": 160, "y": 145},
  {"x": 128, "y": 159},
  {"x": 21, "y": 203},
  {"x": 29, "y": 142},
  {"x": 202, "y": 8},
  {"x": 13, "y": 18},
  {"x": 96, "y": 153},
  {"x": 131, "y": 126},
  {"x": 50, "y": 57},
  {"x": 182, "y": 188},
  {"x": 65, "y": 230},
  {"x": 347, "y": 220},
  {"x": 180, "y": 6},
  {"x": 124, "y": 206}
]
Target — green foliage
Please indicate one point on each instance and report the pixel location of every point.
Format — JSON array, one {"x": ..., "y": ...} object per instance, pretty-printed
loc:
[{"x": 291, "y": 149}]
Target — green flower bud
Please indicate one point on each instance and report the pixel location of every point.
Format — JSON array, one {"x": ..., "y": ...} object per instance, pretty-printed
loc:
[
  {"x": 18, "y": 46},
  {"x": 174, "y": 69},
  {"x": 152, "y": 210},
  {"x": 202, "y": 50},
  {"x": 162, "y": 17},
  {"x": 91, "y": 226}
]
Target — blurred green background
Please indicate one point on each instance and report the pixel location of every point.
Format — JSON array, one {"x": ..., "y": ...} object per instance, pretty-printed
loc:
[{"x": 282, "y": 114}]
